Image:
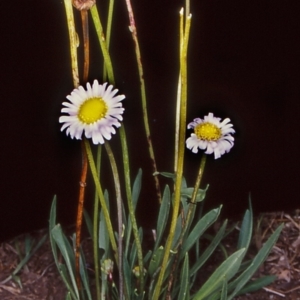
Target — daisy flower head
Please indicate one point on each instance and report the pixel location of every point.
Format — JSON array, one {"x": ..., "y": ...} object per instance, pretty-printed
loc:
[
  {"x": 95, "y": 111},
  {"x": 211, "y": 134}
]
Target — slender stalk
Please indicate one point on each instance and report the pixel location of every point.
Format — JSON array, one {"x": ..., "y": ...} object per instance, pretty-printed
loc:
[
  {"x": 101, "y": 198},
  {"x": 73, "y": 41},
  {"x": 130, "y": 206},
  {"x": 82, "y": 185},
  {"x": 192, "y": 206},
  {"x": 108, "y": 31},
  {"x": 75, "y": 76},
  {"x": 184, "y": 34},
  {"x": 133, "y": 31},
  {"x": 119, "y": 213},
  {"x": 86, "y": 44},
  {"x": 103, "y": 45},
  {"x": 96, "y": 228},
  {"x": 125, "y": 156}
]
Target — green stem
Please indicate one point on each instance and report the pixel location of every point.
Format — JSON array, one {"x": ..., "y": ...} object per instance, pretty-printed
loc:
[
  {"x": 133, "y": 31},
  {"x": 103, "y": 45},
  {"x": 108, "y": 31},
  {"x": 119, "y": 213},
  {"x": 192, "y": 206},
  {"x": 184, "y": 34},
  {"x": 95, "y": 228},
  {"x": 130, "y": 206},
  {"x": 73, "y": 41},
  {"x": 108, "y": 64},
  {"x": 101, "y": 198}
]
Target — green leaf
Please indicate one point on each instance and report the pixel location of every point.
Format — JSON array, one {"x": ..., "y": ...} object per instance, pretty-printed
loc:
[
  {"x": 88, "y": 222},
  {"x": 184, "y": 279},
  {"x": 199, "y": 228},
  {"x": 209, "y": 250},
  {"x": 68, "y": 296},
  {"x": 103, "y": 238},
  {"x": 67, "y": 253},
  {"x": 240, "y": 281},
  {"x": 225, "y": 271},
  {"x": 165, "y": 174},
  {"x": 156, "y": 260},
  {"x": 136, "y": 189},
  {"x": 127, "y": 277},
  {"x": 163, "y": 216},
  {"x": 257, "y": 284},
  {"x": 246, "y": 230},
  {"x": 188, "y": 192},
  {"x": 224, "y": 290}
]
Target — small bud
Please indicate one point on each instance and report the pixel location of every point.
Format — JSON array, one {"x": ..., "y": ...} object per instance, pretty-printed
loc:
[
  {"x": 83, "y": 4},
  {"x": 136, "y": 271},
  {"x": 107, "y": 266}
]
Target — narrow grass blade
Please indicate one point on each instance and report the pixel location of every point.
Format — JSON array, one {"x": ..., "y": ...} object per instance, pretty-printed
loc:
[
  {"x": 246, "y": 230},
  {"x": 224, "y": 290},
  {"x": 224, "y": 272},
  {"x": 209, "y": 250},
  {"x": 184, "y": 279},
  {"x": 239, "y": 282},
  {"x": 67, "y": 253},
  {"x": 199, "y": 228},
  {"x": 163, "y": 216}
]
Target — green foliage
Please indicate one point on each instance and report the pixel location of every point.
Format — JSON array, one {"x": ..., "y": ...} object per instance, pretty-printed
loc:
[{"x": 230, "y": 279}]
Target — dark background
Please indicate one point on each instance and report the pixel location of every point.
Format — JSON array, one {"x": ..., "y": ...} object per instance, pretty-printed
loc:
[{"x": 243, "y": 64}]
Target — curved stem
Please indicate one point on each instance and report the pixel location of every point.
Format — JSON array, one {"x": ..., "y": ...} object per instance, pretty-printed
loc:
[
  {"x": 102, "y": 42},
  {"x": 108, "y": 64},
  {"x": 130, "y": 206},
  {"x": 96, "y": 228},
  {"x": 133, "y": 31},
  {"x": 82, "y": 185},
  {"x": 119, "y": 213},
  {"x": 101, "y": 198},
  {"x": 86, "y": 44},
  {"x": 108, "y": 31},
  {"x": 192, "y": 206},
  {"x": 73, "y": 41}
]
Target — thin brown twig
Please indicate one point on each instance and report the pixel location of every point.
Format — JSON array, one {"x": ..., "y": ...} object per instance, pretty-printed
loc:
[
  {"x": 86, "y": 44},
  {"x": 82, "y": 185},
  {"x": 133, "y": 31}
]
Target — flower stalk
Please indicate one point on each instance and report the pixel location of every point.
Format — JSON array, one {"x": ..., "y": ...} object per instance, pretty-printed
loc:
[
  {"x": 133, "y": 31},
  {"x": 184, "y": 36},
  {"x": 119, "y": 214},
  {"x": 101, "y": 198},
  {"x": 73, "y": 41},
  {"x": 125, "y": 156}
]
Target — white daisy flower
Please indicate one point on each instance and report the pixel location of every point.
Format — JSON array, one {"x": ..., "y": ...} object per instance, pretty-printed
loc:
[
  {"x": 96, "y": 111},
  {"x": 211, "y": 134}
]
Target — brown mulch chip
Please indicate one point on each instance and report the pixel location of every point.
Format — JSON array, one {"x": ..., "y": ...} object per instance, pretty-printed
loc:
[{"x": 39, "y": 278}]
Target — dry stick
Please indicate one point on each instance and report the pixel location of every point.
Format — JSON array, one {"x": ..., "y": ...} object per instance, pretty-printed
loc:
[
  {"x": 74, "y": 65},
  {"x": 82, "y": 185},
  {"x": 133, "y": 31},
  {"x": 86, "y": 43}
]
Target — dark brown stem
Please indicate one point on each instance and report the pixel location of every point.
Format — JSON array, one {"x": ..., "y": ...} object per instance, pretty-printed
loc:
[
  {"x": 82, "y": 185},
  {"x": 86, "y": 43}
]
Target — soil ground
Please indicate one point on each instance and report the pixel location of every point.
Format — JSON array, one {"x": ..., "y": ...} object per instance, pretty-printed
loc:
[{"x": 39, "y": 278}]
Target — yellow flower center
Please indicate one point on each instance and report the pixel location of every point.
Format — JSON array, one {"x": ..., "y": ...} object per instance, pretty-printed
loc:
[
  {"x": 92, "y": 110},
  {"x": 208, "y": 132}
]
